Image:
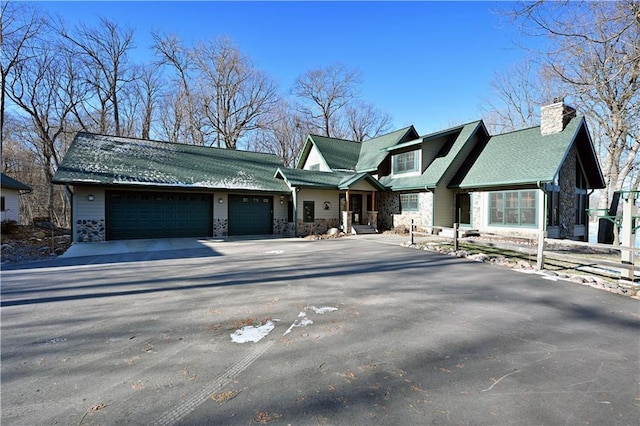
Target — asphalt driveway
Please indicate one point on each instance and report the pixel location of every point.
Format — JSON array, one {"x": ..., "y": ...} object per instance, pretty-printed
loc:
[{"x": 355, "y": 330}]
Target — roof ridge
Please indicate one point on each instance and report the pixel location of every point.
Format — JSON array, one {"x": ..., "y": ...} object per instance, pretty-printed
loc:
[
  {"x": 331, "y": 137},
  {"x": 136, "y": 139},
  {"x": 403, "y": 129},
  {"x": 533, "y": 127},
  {"x": 459, "y": 126}
]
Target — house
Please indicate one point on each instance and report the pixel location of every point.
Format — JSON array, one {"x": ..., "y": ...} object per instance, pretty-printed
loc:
[
  {"x": 522, "y": 182},
  {"x": 10, "y": 198}
]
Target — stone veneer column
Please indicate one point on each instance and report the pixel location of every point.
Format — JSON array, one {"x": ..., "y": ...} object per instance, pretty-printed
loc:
[
  {"x": 346, "y": 221},
  {"x": 373, "y": 218}
]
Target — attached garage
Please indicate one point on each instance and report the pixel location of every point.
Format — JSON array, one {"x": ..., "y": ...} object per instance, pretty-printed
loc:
[
  {"x": 127, "y": 188},
  {"x": 250, "y": 215},
  {"x": 133, "y": 214}
]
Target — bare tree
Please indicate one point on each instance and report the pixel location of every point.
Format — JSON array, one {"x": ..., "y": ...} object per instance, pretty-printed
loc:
[
  {"x": 238, "y": 96},
  {"x": 366, "y": 121},
  {"x": 147, "y": 91},
  {"x": 188, "y": 113},
  {"x": 323, "y": 94},
  {"x": 519, "y": 92},
  {"x": 45, "y": 89},
  {"x": 594, "y": 56},
  {"x": 104, "y": 52},
  {"x": 20, "y": 24},
  {"x": 284, "y": 137}
]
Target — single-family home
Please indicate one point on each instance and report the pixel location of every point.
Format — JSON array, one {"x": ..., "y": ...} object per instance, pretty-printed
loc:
[
  {"x": 10, "y": 198},
  {"x": 523, "y": 182}
]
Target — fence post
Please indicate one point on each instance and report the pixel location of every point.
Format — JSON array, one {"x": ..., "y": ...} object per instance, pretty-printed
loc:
[
  {"x": 411, "y": 231},
  {"x": 455, "y": 237},
  {"x": 540, "y": 257}
]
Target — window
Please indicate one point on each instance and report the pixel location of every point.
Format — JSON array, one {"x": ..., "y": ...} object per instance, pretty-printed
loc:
[
  {"x": 513, "y": 208},
  {"x": 408, "y": 202},
  {"x": 581, "y": 199},
  {"x": 308, "y": 211},
  {"x": 290, "y": 211},
  {"x": 407, "y": 162}
]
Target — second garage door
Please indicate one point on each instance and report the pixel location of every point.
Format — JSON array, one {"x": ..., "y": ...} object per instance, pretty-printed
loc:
[
  {"x": 250, "y": 215},
  {"x": 132, "y": 215}
]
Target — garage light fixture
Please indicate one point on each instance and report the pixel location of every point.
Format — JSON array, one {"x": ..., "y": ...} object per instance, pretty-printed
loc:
[
  {"x": 220, "y": 200},
  {"x": 90, "y": 197}
]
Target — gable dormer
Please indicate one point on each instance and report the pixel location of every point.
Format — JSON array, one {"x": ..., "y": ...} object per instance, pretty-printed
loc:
[
  {"x": 315, "y": 161},
  {"x": 321, "y": 153}
]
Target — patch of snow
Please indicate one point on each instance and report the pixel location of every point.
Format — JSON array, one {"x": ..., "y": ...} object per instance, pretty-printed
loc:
[
  {"x": 322, "y": 310},
  {"x": 275, "y": 252},
  {"x": 526, "y": 271},
  {"x": 302, "y": 314},
  {"x": 547, "y": 277},
  {"x": 251, "y": 333},
  {"x": 303, "y": 323}
]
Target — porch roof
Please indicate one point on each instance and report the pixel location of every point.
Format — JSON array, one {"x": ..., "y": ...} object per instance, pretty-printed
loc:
[{"x": 325, "y": 180}]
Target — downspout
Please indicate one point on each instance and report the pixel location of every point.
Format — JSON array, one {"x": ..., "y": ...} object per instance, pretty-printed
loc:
[
  {"x": 295, "y": 210},
  {"x": 543, "y": 227},
  {"x": 543, "y": 231},
  {"x": 588, "y": 221}
]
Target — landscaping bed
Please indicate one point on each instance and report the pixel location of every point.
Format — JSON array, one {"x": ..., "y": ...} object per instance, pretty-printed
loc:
[
  {"x": 577, "y": 264},
  {"x": 26, "y": 243}
]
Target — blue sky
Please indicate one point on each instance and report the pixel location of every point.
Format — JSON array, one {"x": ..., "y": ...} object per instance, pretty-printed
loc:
[{"x": 426, "y": 63}]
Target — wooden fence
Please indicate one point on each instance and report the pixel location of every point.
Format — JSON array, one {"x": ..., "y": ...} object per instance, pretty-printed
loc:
[{"x": 628, "y": 270}]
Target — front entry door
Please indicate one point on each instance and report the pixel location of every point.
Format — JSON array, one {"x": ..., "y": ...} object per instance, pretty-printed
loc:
[
  {"x": 356, "y": 207},
  {"x": 463, "y": 209}
]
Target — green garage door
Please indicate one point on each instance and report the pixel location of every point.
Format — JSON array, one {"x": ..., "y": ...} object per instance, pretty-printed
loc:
[
  {"x": 133, "y": 215},
  {"x": 250, "y": 215}
]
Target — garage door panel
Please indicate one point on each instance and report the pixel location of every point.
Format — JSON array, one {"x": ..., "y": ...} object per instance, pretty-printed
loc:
[
  {"x": 158, "y": 215},
  {"x": 250, "y": 215}
]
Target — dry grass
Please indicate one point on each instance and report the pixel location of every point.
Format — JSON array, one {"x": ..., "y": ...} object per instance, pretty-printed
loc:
[{"x": 264, "y": 417}]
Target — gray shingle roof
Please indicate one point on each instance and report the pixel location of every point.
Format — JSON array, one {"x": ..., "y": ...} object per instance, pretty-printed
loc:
[
  {"x": 110, "y": 160},
  {"x": 10, "y": 183}
]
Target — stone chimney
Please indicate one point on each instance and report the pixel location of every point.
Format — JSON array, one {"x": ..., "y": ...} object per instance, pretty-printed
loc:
[{"x": 555, "y": 116}]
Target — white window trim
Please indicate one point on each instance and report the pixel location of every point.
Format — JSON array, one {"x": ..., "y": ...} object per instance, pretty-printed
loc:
[{"x": 418, "y": 172}]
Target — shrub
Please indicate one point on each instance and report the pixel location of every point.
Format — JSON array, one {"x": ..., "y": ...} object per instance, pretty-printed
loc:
[{"x": 8, "y": 226}]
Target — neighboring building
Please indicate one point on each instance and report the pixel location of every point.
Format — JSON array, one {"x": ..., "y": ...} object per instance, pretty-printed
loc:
[
  {"x": 519, "y": 182},
  {"x": 11, "y": 190}
]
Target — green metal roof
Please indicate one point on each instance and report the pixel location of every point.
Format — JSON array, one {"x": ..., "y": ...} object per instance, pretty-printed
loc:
[
  {"x": 339, "y": 154},
  {"x": 374, "y": 151},
  {"x": 523, "y": 157},
  {"x": 442, "y": 159},
  {"x": 10, "y": 183},
  {"x": 109, "y": 160}
]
